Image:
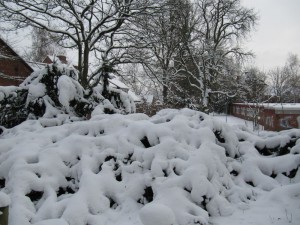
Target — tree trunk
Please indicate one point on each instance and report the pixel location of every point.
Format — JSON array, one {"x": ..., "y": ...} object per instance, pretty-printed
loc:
[
  {"x": 85, "y": 68},
  {"x": 4, "y": 215},
  {"x": 165, "y": 94},
  {"x": 165, "y": 87},
  {"x": 80, "y": 60}
]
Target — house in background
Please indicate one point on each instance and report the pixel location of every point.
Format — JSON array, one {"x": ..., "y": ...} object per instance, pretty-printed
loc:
[
  {"x": 272, "y": 116},
  {"x": 13, "y": 69},
  {"x": 54, "y": 58},
  {"x": 116, "y": 83},
  {"x": 49, "y": 59}
]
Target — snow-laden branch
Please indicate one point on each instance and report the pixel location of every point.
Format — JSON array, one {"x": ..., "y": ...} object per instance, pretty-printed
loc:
[{"x": 84, "y": 25}]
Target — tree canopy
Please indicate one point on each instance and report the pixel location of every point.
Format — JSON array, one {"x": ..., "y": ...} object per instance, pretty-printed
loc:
[
  {"x": 191, "y": 49},
  {"x": 97, "y": 28}
]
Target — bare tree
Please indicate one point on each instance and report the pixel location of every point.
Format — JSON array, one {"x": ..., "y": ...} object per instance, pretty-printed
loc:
[
  {"x": 279, "y": 83},
  {"x": 93, "y": 27},
  {"x": 215, "y": 47},
  {"x": 285, "y": 81},
  {"x": 292, "y": 71},
  {"x": 256, "y": 87},
  {"x": 141, "y": 81},
  {"x": 255, "y": 81},
  {"x": 166, "y": 32},
  {"x": 44, "y": 43}
]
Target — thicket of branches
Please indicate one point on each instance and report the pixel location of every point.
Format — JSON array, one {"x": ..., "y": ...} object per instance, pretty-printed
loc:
[
  {"x": 187, "y": 53},
  {"x": 97, "y": 29},
  {"x": 44, "y": 43},
  {"x": 195, "y": 51},
  {"x": 285, "y": 81}
]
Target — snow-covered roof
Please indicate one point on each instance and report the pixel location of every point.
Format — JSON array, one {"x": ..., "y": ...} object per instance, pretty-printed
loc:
[
  {"x": 36, "y": 65},
  {"x": 276, "y": 106},
  {"x": 54, "y": 58},
  {"x": 115, "y": 82},
  {"x": 280, "y": 106},
  {"x": 12, "y": 54},
  {"x": 134, "y": 96}
]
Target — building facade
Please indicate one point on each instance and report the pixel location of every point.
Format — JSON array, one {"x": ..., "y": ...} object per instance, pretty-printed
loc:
[
  {"x": 273, "y": 116},
  {"x": 13, "y": 69}
]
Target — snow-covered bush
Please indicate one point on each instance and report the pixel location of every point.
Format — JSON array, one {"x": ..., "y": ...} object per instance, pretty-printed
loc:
[
  {"x": 180, "y": 167},
  {"x": 55, "y": 91}
]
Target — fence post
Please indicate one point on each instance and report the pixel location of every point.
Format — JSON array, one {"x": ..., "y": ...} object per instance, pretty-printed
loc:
[{"x": 4, "y": 215}]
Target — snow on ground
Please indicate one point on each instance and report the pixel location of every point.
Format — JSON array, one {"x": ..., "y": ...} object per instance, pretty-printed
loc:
[
  {"x": 232, "y": 120},
  {"x": 270, "y": 208},
  {"x": 179, "y": 167},
  {"x": 235, "y": 121},
  {"x": 273, "y": 208}
]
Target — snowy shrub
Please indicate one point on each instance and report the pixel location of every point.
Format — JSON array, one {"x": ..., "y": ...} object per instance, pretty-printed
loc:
[
  {"x": 55, "y": 91},
  {"x": 179, "y": 167},
  {"x": 12, "y": 106}
]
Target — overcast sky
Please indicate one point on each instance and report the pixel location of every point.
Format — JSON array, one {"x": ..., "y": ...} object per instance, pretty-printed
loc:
[{"x": 277, "y": 33}]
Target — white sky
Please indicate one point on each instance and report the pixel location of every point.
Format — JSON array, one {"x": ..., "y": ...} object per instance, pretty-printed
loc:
[{"x": 277, "y": 33}]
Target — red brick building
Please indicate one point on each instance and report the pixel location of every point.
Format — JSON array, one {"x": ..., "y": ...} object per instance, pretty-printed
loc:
[
  {"x": 273, "y": 116},
  {"x": 13, "y": 69},
  {"x": 57, "y": 58},
  {"x": 51, "y": 59}
]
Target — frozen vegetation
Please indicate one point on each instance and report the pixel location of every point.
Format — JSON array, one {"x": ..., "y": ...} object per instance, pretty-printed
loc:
[
  {"x": 55, "y": 92},
  {"x": 179, "y": 167}
]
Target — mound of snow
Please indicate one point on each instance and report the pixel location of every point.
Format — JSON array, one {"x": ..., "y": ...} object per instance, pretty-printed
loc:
[
  {"x": 179, "y": 167},
  {"x": 4, "y": 200},
  {"x": 157, "y": 214}
]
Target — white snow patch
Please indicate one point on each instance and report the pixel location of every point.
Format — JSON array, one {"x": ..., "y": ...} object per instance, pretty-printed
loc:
[
  {"x": 4, "y": 200},
  {"x": 157, "y": 214},
  {"x": 67, "y": 90}
]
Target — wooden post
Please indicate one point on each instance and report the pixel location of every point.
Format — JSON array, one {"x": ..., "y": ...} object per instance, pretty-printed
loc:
[{"x": 4, "y": 215}]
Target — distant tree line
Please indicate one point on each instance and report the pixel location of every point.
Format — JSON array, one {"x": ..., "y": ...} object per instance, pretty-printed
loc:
[{"x": 285, "y": 81}]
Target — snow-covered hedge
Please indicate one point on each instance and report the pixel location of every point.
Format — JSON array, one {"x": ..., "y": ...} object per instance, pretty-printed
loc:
[
  {"x": 54, "y": 92},
  {"x": 179, "y": 167}
]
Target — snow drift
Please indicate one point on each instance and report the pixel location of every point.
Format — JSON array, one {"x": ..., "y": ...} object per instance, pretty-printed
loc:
[{"x": 178, "y": 167}]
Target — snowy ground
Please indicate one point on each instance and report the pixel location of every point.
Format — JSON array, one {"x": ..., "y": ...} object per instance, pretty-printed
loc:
[
  {"x": 269, "y": 208},
  {"x": 273, "y": 208},
  {"x": 235, "y": 121},
  {"x": 231, "y": 120},
  {"x": 176, "y": 168}
]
